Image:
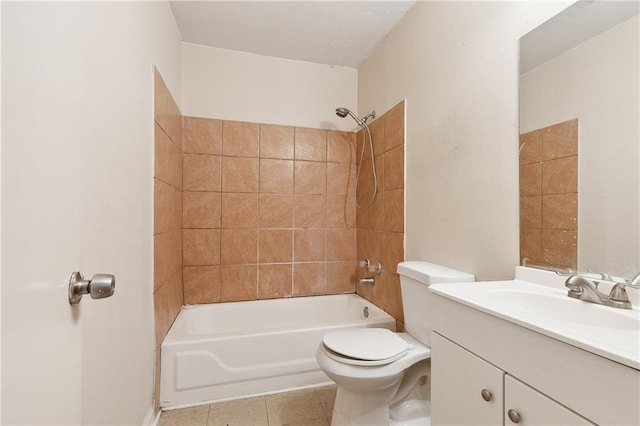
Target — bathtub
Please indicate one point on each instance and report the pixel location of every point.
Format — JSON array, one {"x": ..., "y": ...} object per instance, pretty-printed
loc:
[{"x": 232, "y": 350}]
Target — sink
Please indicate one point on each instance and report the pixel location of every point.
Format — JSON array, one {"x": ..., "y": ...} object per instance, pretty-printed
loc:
[
  {"x": 545, "y": 308},
  {"x": 563, "y": 308}
]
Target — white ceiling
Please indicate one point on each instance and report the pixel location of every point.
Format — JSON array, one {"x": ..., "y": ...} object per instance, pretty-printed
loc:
[{"x": 328, "y": 32}]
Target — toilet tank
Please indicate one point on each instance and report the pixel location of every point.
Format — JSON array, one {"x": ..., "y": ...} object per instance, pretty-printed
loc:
[{"x": 415, "y": 278}]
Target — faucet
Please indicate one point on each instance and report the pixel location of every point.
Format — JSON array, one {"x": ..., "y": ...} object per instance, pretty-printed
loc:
[{"x": 586, "y": 289}]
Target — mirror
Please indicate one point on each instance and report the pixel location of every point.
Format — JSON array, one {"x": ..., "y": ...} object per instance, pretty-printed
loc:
[{"x": 580, "y": 139}]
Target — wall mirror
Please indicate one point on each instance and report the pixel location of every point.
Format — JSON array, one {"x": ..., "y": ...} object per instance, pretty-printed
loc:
[{"x": 580, "y": 139}]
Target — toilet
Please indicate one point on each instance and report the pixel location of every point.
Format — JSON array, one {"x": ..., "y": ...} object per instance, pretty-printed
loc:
[{"x": 382, "y": 376}]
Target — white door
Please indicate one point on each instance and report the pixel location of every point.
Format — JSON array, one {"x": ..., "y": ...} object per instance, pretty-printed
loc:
[
  {"x": 77, "y": 158},
  {"x": 41, "y": 243}
]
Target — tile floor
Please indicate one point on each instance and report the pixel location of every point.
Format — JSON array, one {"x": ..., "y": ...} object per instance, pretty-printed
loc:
[{"x": 308, "y": 407}]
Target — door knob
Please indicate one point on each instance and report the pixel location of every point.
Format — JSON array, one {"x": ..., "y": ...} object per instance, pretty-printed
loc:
[{"x": 99, "y": 287}]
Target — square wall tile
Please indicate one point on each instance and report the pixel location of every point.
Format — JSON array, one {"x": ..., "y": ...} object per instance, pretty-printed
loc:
[
  {"x": 560, "y": 176},
  {"x": 201, "y": 209},
  {"x": 309, "y": 245},
  {"x": 202, "y": 135},
  {"x": 377, "y": 212},
  {"x": 310, "y": 144},
  {"x": 560, "y": 211},
  {"x": 560, "y": 140},
  {"x": 341, "y": 277},
  {"x": 530, "y": 179},
  {"x": 201, "y": 284},
  {"x": 275, "y": 211},
  {"x": 341, "y": 147},
  {"x": 160, "y": 100},
  {"x": 174, "y": 123},
  {"x": 377, "y": 138},
  {"x": 394, "y": 126},
  {"x": 531, "y": 212},
  {"x": 239, "y": 210},
  {"x": 276, "y": 176},
  {"x": 168, "y": 159},
  {"x": 393, "y": 296},
  {"x": 161, "y": 311},
  {"x": 531, "y": 245},
  {"x": 309, "y": 279},
  {"x": 341, "y": 244},
  {"x": 309, "y": 211},
  {"x": 240, "y": 139},
  {"x": 238, "y": 282},
  {"x": 310, "y": 177},
  {"x": 341, "y": 212},
  {"x": 338, "y": 178},
  {"x": 167, "y": 259},
  {"x": 276, "y": 141},
  {"x": 275, "y": 245},
  {"x": 166, "y": 204},
  {"x": 201, "y": 247},
  {"x": 239, "y": 174},
  {"x": 275, "y": 281},
  {"x": 394, "y": 168},
  {"x": 239, "y": 246},
  {"x": 201, "y": 172},
  {"x": 559, "y": 247},
  {"x": 393, "y": 251},
  {"x": 531, "y": 147}
]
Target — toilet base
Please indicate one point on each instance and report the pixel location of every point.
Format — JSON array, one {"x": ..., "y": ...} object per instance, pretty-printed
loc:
[{"x": 351, "y": 409}]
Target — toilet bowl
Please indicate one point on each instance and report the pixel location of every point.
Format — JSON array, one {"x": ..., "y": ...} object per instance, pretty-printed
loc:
[{"x": 382, "y": 376}]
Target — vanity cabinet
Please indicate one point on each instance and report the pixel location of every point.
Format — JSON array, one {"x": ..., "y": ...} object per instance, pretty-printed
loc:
[
  {"x": 468, "y": 390},
  {"x": 547, "y": 381}
]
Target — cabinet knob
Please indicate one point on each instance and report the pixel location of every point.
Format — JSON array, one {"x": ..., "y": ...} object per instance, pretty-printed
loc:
[
  {"x": 486, "y": 395},
  {"x": 514, "y": 416}
]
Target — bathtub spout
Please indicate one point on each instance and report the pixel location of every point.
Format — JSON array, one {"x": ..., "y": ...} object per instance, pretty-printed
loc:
[{"x": 367, "y": 281}]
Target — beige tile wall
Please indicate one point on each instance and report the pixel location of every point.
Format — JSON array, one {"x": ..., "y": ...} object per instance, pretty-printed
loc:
[
  {"x": 380, "y": 234},
  {"x": 167, "y": 223},
  {"x": 267, "y": 211},
  {"x": 549, "y": 195}
]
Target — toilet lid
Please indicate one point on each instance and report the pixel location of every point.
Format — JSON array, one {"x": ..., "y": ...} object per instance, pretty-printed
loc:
[{"x": 367, "y": 344}]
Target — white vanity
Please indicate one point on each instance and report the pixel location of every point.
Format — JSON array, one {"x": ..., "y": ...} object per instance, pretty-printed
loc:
[{"x": 523, "y": 352}]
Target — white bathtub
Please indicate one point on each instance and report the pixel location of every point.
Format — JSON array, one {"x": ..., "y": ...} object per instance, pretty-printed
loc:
[{"x": 231, "y": 350}]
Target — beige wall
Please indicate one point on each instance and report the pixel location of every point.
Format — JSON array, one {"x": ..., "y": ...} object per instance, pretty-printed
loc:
[
  {"x": 600, "y": 85},
  {"x": 456, "y": 63},
  {"x": 240, "y": 86}
]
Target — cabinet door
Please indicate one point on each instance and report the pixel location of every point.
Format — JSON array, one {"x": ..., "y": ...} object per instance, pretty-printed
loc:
[
  {"x": 534, "y": 408},
  {"x": 458, "y": 381}
]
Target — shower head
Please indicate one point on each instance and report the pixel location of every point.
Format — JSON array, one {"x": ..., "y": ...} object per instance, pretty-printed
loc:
[{"x": 343, "y": 112}]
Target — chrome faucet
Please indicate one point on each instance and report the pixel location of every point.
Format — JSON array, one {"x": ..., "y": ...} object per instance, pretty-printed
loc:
[{"x": 586, "y": 289}]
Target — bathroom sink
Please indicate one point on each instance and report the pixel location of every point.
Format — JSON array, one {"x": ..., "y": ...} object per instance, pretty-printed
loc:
[
  {"x": 610, "y": 332},
  {"x": 562, "y": 308}
]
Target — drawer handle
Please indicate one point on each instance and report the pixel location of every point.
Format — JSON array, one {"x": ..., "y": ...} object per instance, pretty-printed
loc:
[
  {"x": 514, "y": 416},
  {"x": 486, "y": 395}
]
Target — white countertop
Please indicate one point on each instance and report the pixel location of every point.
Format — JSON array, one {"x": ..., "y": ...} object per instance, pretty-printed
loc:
[{"x": 538, "y": 301}]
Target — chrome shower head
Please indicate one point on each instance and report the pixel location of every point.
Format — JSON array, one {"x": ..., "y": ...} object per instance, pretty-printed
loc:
[{"x": 343, "y": 112}]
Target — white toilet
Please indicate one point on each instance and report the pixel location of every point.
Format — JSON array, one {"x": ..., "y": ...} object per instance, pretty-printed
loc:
[{"x": 382, "y": 376}]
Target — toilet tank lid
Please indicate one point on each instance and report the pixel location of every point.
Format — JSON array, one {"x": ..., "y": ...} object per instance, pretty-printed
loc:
[{"x": 430, "y": 273}]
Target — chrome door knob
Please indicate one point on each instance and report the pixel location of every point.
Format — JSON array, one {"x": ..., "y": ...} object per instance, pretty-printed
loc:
[{"x": 99, "y": 287}]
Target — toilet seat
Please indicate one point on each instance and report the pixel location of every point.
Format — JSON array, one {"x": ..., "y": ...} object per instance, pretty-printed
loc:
[{"x": 365, "y": 346}]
